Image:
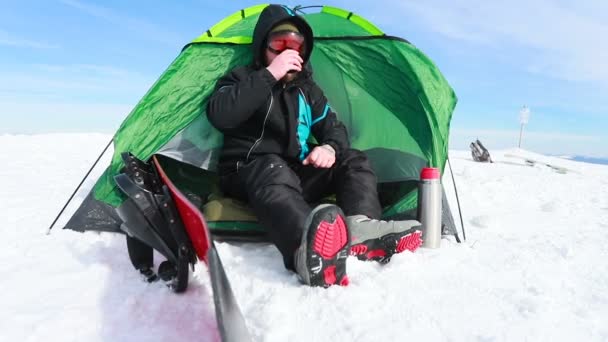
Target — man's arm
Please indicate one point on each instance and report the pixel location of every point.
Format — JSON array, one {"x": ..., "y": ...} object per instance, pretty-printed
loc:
[
  {"x": 237, "y": 96},
  {"x": 326, "y": 127}
]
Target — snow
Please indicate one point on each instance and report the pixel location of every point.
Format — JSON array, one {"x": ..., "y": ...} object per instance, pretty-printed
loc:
[{"x": 533, "y": 266}]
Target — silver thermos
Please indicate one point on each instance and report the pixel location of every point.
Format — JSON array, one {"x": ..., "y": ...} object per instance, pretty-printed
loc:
[{"x": 429, "y": 197}]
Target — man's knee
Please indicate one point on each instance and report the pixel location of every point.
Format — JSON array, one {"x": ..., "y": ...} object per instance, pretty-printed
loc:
[
  {"x": 269, "y": 170},
  {"x": 354, "y": 158}
]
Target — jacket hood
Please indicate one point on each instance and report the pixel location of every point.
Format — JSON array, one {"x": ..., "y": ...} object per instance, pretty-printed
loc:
[{"x": 270, "y": 17}]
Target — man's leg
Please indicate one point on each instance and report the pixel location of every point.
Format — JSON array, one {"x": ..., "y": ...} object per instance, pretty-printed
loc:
[
  {"x": 274, "y": 192},
  {"x": 356, "y": 185},
  {"x": 356, "y": 192},
  {"x": 352, "y": 180}
]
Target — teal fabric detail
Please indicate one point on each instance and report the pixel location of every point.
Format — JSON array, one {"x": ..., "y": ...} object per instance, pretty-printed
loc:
[
  {"x": 322, "y": 116},
  {"x": 304, "y": 124},
  {"x": 288, "y": 10}
]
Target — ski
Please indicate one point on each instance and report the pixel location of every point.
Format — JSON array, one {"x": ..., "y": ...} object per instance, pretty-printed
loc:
[
  {"x": 230, "y": 320},
  {"x": 532, "y": 162}
]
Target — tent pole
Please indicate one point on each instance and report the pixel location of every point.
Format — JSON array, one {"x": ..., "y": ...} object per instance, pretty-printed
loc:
[
  {"x": 464, "y": 235},
  {"x": 79, "y": 185}
]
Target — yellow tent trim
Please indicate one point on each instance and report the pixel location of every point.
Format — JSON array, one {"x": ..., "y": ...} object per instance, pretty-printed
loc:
[
  {"x": 364, "y": 23},
  {"x": 211, "y": 36},
  {"x": 217, "y": 29}
]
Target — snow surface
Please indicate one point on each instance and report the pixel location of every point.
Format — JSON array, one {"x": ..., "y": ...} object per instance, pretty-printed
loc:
[{"x": 534, "y": 266}]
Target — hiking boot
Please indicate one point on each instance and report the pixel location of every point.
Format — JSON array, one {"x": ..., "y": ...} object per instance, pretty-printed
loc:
[
  {"x": 379, "y": 240},
  {"x": 321, "y": 258}
]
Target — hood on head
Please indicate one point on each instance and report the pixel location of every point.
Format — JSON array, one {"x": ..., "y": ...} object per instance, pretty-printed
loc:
[{"x": 270, "y": 17}]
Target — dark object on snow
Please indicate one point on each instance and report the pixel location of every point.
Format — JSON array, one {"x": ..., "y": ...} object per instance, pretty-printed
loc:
[
  {"x": 480, "y": 153},
  {"x": 151, "y": 221}
]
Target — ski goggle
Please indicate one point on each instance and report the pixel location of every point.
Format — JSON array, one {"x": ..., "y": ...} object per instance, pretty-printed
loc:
[{"x": 283, "y": 40}]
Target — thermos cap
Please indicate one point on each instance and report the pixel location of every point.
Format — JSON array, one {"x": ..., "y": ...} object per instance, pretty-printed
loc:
[{"x": 429, "y": 173}]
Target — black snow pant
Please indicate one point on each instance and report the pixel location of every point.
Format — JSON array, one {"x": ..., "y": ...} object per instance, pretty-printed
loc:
[{"x": 281, "y": 193}]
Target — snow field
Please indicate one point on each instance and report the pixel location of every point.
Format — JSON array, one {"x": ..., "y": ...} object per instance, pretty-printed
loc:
[{"x": 533, "y": 267}]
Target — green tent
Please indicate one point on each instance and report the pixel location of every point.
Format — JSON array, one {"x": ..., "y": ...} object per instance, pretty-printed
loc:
[{"x": 393, "y": 100}]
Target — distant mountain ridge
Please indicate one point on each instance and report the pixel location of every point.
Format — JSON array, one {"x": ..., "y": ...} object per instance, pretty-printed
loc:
[{"x": 602, "y": 161}]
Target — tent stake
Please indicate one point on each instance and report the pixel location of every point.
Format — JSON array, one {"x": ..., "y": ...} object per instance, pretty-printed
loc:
[{"x": 79, "y": 185}]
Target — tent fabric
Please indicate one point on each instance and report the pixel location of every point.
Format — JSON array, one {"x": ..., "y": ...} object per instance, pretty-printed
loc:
[{"x": 395, "y": 103}]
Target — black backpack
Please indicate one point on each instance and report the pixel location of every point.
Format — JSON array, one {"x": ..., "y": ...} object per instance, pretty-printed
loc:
[{"x": 480, "y": 153}]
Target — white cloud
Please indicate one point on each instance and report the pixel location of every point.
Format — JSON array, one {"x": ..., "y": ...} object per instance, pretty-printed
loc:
[
  {"x": 559, "y": 39},
  {"x": 46, "y": 97},
  {"x": 148, "y": 30},
  {"x": 9, "y": 39},
  {"x": 71, "y": 81},
  {"x": 67, "y": 109},
  {"x": 82, "y": 68},
  {"x": 37, "y": 117}
]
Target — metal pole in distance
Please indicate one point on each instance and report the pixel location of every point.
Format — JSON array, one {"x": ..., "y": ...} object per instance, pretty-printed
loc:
[
  {"x": 78, "y": 187},
  {"x": 524, "y": 116},
  {"x": 521, "y": 130}
]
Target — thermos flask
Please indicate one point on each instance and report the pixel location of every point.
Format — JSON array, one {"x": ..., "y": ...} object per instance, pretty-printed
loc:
[{"x": 429, "y": 196}]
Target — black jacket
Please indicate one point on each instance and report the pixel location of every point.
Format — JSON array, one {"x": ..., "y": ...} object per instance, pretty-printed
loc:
[{"x": 259, "y": 115}]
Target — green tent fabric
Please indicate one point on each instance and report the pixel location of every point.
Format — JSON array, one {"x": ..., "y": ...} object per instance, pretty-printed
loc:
[{"x": 395, "y": 103}]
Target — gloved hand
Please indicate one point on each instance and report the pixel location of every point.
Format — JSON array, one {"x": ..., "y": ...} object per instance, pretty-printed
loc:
[{"x": 322, "y": 156}]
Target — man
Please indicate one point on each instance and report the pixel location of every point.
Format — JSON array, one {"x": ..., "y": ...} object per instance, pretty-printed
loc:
[{"x": 267, "y": 111}]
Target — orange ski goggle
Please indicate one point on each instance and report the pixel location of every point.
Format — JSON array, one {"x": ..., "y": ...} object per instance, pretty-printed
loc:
[{"x": 283, "y": 40}]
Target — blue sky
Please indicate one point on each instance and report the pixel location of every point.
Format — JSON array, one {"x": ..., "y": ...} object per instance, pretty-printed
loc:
[{"x": 81, "y": 65}]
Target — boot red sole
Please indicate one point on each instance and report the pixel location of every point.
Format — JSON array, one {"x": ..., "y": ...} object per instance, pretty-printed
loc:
[
  {"x": 384, "y": 248},
  {"x": 328, "y": 248}
]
